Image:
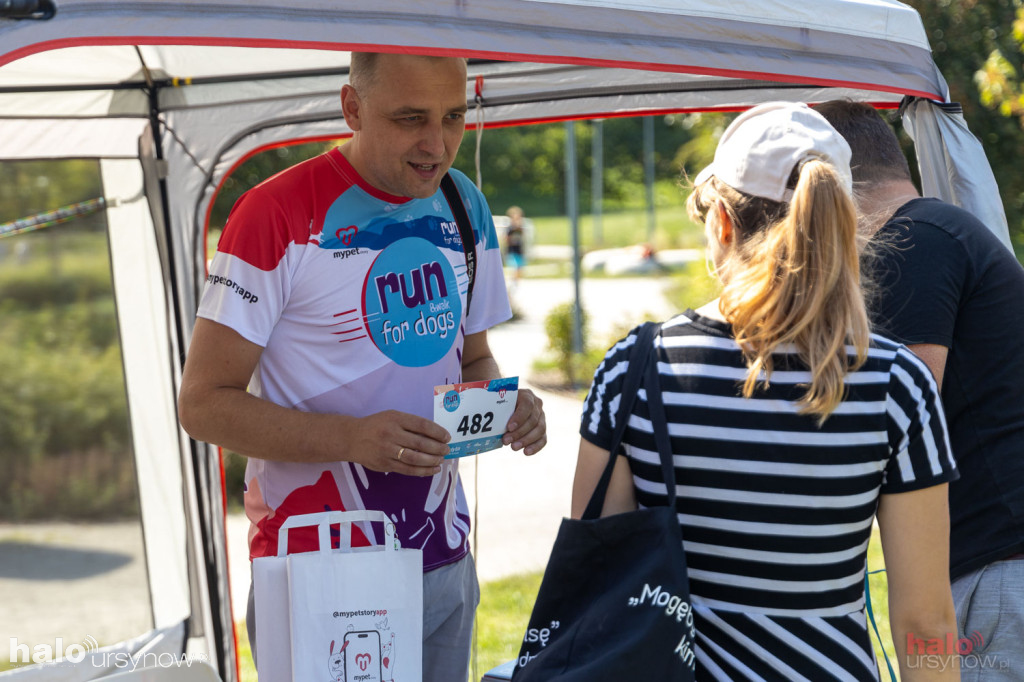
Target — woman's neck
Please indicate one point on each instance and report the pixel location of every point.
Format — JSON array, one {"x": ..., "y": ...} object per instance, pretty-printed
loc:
[{"x": 712, "y": 311}]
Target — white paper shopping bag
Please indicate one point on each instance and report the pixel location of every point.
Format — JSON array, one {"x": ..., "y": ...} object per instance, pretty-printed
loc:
[
  {"x": 356, "y": 614},
  {"x": 273, "y": 629}
]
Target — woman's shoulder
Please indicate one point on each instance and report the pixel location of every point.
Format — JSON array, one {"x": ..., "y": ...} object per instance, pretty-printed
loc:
[{"x": 896, "y": 357}]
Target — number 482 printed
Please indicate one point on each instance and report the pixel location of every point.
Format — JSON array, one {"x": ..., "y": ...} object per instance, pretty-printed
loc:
[
  {"x": 481, "y": 424},
  {"x": 475, "y": 413}
]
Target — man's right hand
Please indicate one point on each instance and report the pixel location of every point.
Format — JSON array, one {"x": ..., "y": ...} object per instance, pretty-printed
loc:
[
  {"x": 215, "y": 407},
  {"x": 399, "y": 442}
]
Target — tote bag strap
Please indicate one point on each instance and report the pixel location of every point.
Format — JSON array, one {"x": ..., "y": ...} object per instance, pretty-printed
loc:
[
  {"x": 639, "y": 357},
  {"x": 656, "y": 409}
]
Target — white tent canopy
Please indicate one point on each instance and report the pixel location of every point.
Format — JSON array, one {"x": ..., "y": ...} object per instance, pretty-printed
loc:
[{"x": 171, "y": 96}]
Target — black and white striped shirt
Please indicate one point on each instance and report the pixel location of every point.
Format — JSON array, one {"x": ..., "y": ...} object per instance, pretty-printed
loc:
[{"x": 776, "y": 512}]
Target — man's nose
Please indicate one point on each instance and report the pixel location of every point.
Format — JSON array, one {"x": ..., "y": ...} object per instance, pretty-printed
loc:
[{"x": 432, "y": 141}]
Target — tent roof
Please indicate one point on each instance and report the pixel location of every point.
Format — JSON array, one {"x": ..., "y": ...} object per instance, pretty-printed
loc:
[
  {"x": 867, "y": 44},
  {"x": 539, "y": 60}
]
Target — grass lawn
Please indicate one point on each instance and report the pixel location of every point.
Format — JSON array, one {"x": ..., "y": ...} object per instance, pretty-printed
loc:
[
  {"x": 505, "y": 609},
  {"x": 673, "y": 230}
]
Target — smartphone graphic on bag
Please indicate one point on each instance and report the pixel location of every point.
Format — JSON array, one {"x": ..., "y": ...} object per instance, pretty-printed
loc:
[{"x": 362, "y": 656}]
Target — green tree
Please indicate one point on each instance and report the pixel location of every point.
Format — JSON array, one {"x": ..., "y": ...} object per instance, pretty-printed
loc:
[
  {"x": 525, "y": 165},
  {"x": 699, "y": 150},
  {"x": 999, "y": 79},
  {"x": 30, "y": 187},
  {"x": 521, "y": 165},
  {"x": 255, "y": 170},
  {"x": 963, "y": 35}
]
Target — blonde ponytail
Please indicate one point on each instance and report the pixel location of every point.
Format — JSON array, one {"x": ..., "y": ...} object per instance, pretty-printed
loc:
[{"x": 793, "y": 277}]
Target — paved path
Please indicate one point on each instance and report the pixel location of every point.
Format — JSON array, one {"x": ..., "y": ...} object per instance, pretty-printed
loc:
[
  {"x": 522, "y": 499},
  {"x": 71, "y": 580}
]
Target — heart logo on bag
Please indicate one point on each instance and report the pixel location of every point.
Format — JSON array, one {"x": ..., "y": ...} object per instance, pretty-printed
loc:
[{"x": 363, "y": 661}]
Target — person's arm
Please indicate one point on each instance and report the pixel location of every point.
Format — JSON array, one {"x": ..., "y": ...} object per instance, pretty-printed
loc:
[
  {"x": 590, "y": 465},
  {"x": 934, "y": 356},
  {"x": 214, "y": 406},
  {"x": 915, "y": 542},
  {"x": 527, "y": 427}
]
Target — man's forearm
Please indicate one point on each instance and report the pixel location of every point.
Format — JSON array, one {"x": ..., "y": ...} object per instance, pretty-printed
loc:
[{"x": 254, "y": 427}]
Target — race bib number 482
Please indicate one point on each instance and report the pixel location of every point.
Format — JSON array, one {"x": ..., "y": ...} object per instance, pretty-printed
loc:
[{"x": 475, "y": 413}]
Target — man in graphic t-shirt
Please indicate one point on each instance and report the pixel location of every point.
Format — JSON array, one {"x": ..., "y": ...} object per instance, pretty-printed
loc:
[
  {"x": 336, "y": 302},
  {"x": 945, "y": 286}
]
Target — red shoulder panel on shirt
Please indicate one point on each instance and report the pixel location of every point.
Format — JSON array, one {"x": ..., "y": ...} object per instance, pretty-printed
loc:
[{"x": 275, "y": 214}]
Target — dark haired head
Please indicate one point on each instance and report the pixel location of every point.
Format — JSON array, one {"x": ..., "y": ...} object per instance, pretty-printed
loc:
[{"x": 877, "y": 156}]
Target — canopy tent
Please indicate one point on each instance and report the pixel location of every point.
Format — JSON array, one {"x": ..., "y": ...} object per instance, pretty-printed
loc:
[{"x": 171, "y": 96}]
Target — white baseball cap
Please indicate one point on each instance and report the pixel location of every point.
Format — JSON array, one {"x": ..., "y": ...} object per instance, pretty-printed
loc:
[{"x": 759, "y": 150}]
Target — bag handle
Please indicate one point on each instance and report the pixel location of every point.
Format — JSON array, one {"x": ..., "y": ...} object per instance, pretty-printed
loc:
[
  {"x": 324, "y": 520},
  {"x": 659, "y": 424},
  {"x": 639, "y": 356}
]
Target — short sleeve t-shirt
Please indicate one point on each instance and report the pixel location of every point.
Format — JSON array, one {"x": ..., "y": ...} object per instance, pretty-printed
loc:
[
  {"x": 358, "y": 299},
  {"x": 943, "y": 278},
  {"x": 775, "y": 510}
]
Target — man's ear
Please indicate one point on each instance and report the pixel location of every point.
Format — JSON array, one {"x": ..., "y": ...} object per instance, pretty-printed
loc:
[{"x": 351, "y": 107}]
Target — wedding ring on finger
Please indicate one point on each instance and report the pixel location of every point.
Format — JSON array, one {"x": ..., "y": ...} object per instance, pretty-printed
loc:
[{"x": 401, "y": 451}]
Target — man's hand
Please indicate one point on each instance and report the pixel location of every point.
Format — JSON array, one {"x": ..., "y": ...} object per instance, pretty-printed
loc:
[
  {"x": 527, "y": 427},
  {"x": 215, "y": 407},
  {"x": 398, "y": 442}
]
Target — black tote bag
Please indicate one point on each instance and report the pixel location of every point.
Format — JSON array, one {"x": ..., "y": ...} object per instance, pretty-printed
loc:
[{"x": 614, "y": 603}]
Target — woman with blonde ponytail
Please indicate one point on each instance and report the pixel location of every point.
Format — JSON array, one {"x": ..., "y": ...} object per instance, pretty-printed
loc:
[
  {"x": 794, "y": 280},
  {"x": 790, "y": 426}
]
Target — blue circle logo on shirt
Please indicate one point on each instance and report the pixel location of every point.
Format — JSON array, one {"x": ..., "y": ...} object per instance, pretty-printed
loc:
[{"x": 411, "y": 303}]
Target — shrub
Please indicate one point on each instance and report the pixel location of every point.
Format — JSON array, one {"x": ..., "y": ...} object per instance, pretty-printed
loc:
[
  {"x": 692, "y": 287},
  {"x": 60, "y": 398},
  {"x": 80, "y": 271},
  {"x": 576, "y": 368},
  {"x": 64, "y": 432},
  {"x": 80, "y": 485},
  {"x": 234, "y": 479}
]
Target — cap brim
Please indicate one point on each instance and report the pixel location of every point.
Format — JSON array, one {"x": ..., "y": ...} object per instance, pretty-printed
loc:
[{"x": 704, "y": 175}]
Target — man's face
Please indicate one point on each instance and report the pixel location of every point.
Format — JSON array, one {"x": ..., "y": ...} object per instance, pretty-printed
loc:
[{"x": 409, "y": 124}]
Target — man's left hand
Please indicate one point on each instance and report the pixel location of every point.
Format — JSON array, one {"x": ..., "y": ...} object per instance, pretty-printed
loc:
[{"x": 527, "y": 427}]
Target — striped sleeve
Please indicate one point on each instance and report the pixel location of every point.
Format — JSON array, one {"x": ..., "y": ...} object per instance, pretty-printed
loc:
[
  {"x": 602, "y": 403},
  {"x": 921, "y": 454}
]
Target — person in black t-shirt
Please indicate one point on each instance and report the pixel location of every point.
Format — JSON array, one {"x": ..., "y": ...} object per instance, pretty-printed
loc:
[{"x": 950, "y": 290}]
